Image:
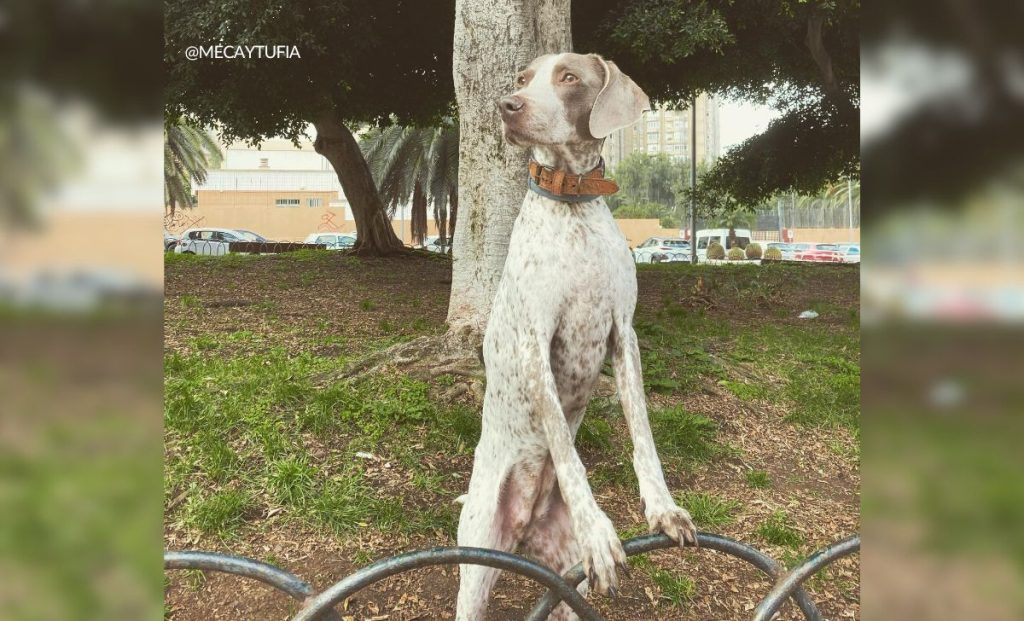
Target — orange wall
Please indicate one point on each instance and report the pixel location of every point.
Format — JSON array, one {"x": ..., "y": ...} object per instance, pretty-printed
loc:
[
  {"x": 77, "y": 240},
  {"x": 637, "y": 231},
  {"x": 826, "y": 235},
  {"x": 257, "y": 212}
]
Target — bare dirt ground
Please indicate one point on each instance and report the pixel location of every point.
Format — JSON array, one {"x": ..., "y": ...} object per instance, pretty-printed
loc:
[{"x": 335, "y": 306}]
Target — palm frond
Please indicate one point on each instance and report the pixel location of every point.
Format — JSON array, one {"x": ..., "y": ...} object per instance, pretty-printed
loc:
[{"x": 189, "y": 151}]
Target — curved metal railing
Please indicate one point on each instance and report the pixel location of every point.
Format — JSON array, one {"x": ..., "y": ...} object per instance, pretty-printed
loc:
[{"x": 320, "y": 606}]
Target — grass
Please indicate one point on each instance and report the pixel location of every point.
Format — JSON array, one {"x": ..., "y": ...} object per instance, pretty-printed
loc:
[
  {"x": 814, "y": 371},
  {"x": 746, "y": 391},
  {"x": 250, "y": 428},
  {"x": 677, "y": 589},
  {"x": 708, "y": 510},
  {"x": 220, "y": 513},
  {"x": 228, "y": 418},
  {"x": 813, "y": 368},
  {"x": 595, "y": 433},
  {"x": 673, "y": 355},
  {"x": 195, "y": 579},
  {"x": 758, "y": 479},
  {"x": 683, "y": 437},
  {"x": 291, "y": 480},
  {"x": 777, "y": 529}
]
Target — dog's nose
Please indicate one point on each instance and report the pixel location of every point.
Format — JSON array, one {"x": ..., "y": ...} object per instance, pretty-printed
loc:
[{"x": 510, "y": 104}]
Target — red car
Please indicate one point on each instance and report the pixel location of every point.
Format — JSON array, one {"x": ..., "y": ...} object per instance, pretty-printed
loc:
[{"x": 821, "y": 253}]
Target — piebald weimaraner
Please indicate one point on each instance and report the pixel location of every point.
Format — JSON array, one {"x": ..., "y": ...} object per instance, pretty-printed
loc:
[{"x": 566, "y": 298}]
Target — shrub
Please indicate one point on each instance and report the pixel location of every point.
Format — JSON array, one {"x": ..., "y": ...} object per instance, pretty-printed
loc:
[
  {"x": 715, "y": 251},
  {"x": 736, "y": 254},
  {"x": 754, "y": 251},
  {"x": 773, "y": 254}
]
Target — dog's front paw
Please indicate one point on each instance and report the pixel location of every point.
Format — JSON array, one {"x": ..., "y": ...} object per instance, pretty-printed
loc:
[
  {"x": 602, "y": 553},
  {"x": 673, "y": 521}
]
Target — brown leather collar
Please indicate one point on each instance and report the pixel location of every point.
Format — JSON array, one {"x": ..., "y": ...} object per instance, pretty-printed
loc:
[{"x": 561, "y": 184}]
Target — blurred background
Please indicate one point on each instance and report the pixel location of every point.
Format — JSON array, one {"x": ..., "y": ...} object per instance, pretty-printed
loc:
[
  {"x": 80, "y": 321},
  {"x": 943, "y": 308},
  {"x": 80, "y": 331}
]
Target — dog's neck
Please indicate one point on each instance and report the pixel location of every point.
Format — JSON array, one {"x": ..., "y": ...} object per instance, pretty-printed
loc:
[{"x": 576, "y": 159}]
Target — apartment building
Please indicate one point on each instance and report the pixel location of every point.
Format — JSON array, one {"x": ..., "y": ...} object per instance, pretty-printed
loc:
[{"x": 667, "y": 130}]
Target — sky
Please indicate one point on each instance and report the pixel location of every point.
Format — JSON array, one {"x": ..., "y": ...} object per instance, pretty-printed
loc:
[{"x": 739, "y": 120}]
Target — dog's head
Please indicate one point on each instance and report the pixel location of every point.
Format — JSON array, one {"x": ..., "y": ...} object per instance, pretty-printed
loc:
[{"x": 568, "y": 99}]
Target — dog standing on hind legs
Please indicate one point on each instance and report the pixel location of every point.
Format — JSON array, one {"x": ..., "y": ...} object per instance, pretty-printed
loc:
[{"x": 565, "y": 301}]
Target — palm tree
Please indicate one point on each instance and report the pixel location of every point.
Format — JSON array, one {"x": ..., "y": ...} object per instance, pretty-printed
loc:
[
  {"x": 840, "y": 194},
  {"x": 189, "y": 151},
  {"x": 738, "y": 218},
  {"x": 35, "y": 155},
  {"x": 844, "y": 193},
  {"x": 417, "y": 165}
]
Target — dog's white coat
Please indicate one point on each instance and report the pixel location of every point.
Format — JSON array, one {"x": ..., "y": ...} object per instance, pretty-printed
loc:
[{"x": 565, "y": 300}]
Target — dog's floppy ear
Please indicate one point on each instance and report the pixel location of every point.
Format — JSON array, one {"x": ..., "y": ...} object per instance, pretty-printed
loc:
[{"x": 619, "y": 104}]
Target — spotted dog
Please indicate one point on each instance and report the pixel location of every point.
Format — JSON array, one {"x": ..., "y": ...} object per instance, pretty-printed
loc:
[{"x": 565, "y": 300}]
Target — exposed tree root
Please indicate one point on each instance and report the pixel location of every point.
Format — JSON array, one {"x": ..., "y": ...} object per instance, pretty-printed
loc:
[{"x": 455, "y": 353}]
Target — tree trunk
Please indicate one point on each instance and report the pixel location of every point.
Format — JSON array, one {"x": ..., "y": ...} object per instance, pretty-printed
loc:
[
  {"x": 453, "y": 216},
  {"x": 375, "y": 234},
  {"x": 418, "y": 216},
  {"x": 493, "y": 40}
]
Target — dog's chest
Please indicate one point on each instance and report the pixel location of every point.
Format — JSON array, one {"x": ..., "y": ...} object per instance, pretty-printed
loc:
[
  {"x": 568, "y": 264},
  {"x": 569, "y": 248}
]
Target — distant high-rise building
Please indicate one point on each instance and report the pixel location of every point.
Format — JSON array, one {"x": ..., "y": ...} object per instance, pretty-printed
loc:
[{"x": 667, "y": 130}]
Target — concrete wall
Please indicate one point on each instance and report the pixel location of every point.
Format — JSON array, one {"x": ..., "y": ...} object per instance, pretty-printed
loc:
[{"x": 826, "y": 235}]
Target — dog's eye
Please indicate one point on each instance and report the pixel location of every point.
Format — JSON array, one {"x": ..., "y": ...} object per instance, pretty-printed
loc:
[
  {"x": 521, "y": 80},
  {"x": 569, "y": 78}
]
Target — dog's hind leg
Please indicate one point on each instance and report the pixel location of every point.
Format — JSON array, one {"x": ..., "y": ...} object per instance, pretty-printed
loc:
[
  {"x": 550, "y": 540},
  {"x": 600, "y": 548},
  {"x": 494, "y": 516}
]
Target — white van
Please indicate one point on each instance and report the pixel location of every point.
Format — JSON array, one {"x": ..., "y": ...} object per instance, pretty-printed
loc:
[{"x": 706, "y": 236}]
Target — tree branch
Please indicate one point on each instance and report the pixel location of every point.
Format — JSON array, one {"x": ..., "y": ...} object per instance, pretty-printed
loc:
[{"x": 815, "y": 43}]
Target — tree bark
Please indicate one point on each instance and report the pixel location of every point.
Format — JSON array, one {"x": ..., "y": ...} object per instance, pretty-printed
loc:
[
  {"x": 375, "y": 233},
  {"x": 418, "y": 215},
  {"x": 493, "y": 40},
  {"x": 815, "y": 41}
]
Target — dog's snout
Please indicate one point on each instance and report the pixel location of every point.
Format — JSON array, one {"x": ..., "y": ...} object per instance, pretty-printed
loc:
[{"x": 510, "y": 104}]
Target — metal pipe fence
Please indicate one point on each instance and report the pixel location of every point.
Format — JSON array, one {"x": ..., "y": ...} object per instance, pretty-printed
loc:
[{"x": 319, "y": 606}]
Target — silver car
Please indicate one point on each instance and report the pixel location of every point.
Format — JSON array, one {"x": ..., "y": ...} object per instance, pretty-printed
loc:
[
  {"x": 662, "y": 250},
  {"x": 213, "y": 241},
  {"x": 333, "y": 241}
]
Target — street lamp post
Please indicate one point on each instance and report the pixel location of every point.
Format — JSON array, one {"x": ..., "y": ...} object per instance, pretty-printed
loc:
[
  {"x": 849, "y": 201},
  {"x": 693, "y": 180}
]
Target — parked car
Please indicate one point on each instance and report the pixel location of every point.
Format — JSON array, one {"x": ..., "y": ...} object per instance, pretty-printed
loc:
[
  {"x": 820, "y": 253},
  {"x": 662, "y": 250},
  {"x": 333, "y": 241},
  {"x": 213, "y": 241},
  {"x": 707, "y": 236},
  {"x": 248, "y": 235},
  {"x": 170, "y": 241},
  {"x": 850, "y": 252},
  {"x": 788, "y": 250},
  {"x": 434, "y": 243}
]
